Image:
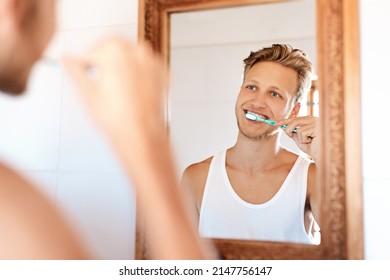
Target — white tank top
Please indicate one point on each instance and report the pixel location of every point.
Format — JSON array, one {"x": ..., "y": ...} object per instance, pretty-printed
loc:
[{"x": 224, "y": 214}]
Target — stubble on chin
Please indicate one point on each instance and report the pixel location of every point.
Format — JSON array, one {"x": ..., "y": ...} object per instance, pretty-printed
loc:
[
  {"x": 264, "y": 136},
  {"x": 12, "y": 88},
  {"x": 13, "y": 84}
]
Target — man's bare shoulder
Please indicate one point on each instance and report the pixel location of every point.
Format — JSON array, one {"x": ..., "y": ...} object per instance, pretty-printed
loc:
[
  {"x": 14, "y": 185},
  {"x": 35, "y": 229},
  {"x": 9, "y": 180},
  {"x": 194, "y": 178},
  {"x": 198, "y": 169}
]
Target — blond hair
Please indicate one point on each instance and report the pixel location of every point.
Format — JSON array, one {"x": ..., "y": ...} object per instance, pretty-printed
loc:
[{"x": 287, "y": 56}]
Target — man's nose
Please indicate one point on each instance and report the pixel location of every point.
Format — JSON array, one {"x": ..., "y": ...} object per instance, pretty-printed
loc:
[{"x": 260, "y": 100}]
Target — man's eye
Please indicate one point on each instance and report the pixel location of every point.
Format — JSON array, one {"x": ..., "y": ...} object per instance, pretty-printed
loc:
[
  {"x": 251, "y": 87},
  {"x": 275, "y": 94}
]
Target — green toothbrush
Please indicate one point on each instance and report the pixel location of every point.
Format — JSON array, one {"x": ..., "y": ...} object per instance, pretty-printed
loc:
[{"x": 254, "y": 117}]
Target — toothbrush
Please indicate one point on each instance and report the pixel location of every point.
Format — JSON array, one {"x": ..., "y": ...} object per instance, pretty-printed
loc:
[
  {"x": 49, "y": 61},
  {"x": 255, "y": 117},
  {"x": 91, "y": 71}
]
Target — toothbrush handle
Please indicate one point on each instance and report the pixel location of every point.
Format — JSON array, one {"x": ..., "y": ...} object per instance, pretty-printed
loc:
[{"x": 285, "y": 126}]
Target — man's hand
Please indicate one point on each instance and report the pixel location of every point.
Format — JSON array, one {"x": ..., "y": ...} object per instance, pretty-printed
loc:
[
  {"x": 307, "y": 134},
  {"x": 124, "y": 86}
]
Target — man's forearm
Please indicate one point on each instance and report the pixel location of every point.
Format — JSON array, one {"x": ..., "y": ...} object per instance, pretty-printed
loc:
[{"x": 170, "y": 231}]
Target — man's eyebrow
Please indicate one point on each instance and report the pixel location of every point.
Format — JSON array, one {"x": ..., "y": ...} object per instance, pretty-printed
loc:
[
  {"x": 278, "y": 88},
  {"x": 271, "y": 87},
  {"x": 251, "y": 81}
]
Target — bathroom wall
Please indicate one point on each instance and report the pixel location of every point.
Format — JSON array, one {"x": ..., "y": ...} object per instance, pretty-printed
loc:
[
  {"x": 375, "y": 61},
  {"x": 48, "y": 135}
]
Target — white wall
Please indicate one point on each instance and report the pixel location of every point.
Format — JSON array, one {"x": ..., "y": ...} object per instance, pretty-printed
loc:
[
  {"x": 208, "y": 48},
  {"x": 48, "y": 135},
  {"x": 375, "y": 61}
]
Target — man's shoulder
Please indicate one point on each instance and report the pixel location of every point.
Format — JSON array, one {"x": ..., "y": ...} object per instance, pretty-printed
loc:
[
  {"x": 9, "y": 177},
  {"x": 194, "y": 178},
  {"x": 13, "y": 184},
  {"x": 198, "y": 168}
]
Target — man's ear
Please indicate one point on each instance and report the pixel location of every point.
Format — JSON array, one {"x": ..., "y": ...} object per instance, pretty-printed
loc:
[{"x": 295, "y": 110}]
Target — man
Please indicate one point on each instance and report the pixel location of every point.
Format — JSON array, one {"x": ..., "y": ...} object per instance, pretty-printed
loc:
[
  {"x": 128, "y": 79},
  {"x": 257, "y": 189}
]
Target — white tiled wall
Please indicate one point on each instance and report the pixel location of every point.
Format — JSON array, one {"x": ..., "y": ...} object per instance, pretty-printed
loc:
[
  {"x": 49, "y": 136},
  {"x": 375, "y": 58},
  {"x": 208, "y": 49}
]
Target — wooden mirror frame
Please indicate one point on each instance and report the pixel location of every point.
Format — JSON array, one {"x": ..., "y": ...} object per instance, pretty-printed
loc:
[{"x": 340, "y": 171}]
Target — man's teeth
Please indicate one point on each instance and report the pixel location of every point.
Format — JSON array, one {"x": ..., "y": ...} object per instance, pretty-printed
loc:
[{"x": 258, "y": 115}]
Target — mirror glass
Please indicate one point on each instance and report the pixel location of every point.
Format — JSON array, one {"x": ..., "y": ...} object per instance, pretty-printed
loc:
[{"x": 206, "y": 60}]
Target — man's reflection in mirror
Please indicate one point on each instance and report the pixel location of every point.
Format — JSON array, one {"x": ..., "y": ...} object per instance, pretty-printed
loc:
[{"x": 257, "y": 189}]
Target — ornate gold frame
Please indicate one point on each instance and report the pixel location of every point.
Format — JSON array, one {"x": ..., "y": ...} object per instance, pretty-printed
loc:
[{"x": 340, "y": 170}]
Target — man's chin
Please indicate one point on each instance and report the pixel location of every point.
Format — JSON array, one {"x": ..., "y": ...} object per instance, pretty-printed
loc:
[
  {"x": 259, "y": 137},
  {"x": 13, "y": 88}
]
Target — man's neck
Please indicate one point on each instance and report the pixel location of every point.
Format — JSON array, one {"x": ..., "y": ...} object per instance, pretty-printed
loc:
[{"x": 254, "y": 155}]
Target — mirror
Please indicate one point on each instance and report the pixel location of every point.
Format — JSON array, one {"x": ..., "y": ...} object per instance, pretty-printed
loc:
[
  {"x": 207, "y": 49},
  {"x": 337, "y": 65},
  {"x": 206, "y": 62}
]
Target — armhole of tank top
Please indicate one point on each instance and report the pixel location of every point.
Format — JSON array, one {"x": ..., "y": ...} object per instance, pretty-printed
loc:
[
  {"x": 305, "y": 178},
  {"x": 206, "y": 189}
]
